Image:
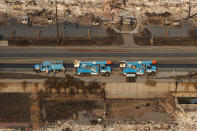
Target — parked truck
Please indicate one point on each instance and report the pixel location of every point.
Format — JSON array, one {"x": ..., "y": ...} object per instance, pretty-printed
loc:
[
  {"x": 132, "y": 69},
  {"x": 48, "y": 66},
  {"x": 88, "y": 68},
  {"x": 139, "y": 67}
]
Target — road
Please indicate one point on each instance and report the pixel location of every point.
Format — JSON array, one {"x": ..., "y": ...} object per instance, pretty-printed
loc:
[
  {"x": 70, "y": 65},
  {"x": 164, "y": 55},
  {"x": 166, "y": 71},
  {"x": 93, "y": 54}
]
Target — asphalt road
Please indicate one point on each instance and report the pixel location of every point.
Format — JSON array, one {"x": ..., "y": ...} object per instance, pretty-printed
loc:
[
  {"x": 115, "y": 65},
  {"x": 93, "y": 54}
]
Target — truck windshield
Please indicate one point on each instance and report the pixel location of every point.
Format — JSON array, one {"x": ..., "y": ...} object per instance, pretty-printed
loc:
[
  {"x": 102, "y": 67},
  {"x": 148, "y": 67}
]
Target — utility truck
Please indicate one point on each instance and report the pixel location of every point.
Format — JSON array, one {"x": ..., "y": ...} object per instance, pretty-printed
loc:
[
  {"x": 48, "y": 66},
  {"x": 88, "y": 68},
  {"x": 132, "y": 69}
]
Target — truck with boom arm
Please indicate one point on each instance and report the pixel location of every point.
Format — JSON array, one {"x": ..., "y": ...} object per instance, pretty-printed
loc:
[
  {"x": 132, "y": 69},
  {"x": 88, "y": 68},
  {"x": 139, "y": 67}
]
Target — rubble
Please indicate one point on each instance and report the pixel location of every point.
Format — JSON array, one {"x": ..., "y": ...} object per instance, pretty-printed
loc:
[
  {"x": 182, "y": 123},
  {"x": 119, "y": 114},
  {"x": 108, "y": 13}
]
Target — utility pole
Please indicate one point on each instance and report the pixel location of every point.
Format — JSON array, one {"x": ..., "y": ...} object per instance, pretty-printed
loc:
[
  {"x": 189, "y": 11},
  {"x": 57, "y": 24}
]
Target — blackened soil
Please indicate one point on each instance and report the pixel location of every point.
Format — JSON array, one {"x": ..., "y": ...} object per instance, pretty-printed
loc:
[
  {"x": 57, "y": 110},
  {"x": 21, "y": 76},
  {"x": 14, "y": 108}
]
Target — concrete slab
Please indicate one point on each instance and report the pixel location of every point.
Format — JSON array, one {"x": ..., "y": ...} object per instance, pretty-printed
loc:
[{"x": 3, "y": 43}]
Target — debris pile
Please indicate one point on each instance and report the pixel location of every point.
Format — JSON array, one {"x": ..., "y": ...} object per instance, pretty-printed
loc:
[
  {"x": 110, "y": 117},
  {"x": 187, "y": 121},
  {"x": 144, "y": 114},
  {"x": 183, "y": 122},
  {"x": 131, "y": 115},
  {"x": 120, "y": 14}
]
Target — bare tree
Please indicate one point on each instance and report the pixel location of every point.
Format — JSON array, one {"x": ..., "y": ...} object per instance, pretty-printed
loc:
[
  {"x": 93, "y": 87},
  {"x": 24, "y": 85},
  {"x": 50, "y": 84},
  {"x": 78, "y": 84},
  {"x": 70, "y": 80},
  {"x": 58, "y": 86}
]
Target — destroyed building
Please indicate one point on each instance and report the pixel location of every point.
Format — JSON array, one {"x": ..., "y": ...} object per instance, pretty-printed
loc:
[
  {"x": 110, "y": 12},
  {"x": 122, "y": 16}
]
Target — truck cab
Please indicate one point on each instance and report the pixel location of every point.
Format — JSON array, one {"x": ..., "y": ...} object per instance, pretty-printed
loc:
[
  {"x": 150, "y": 69},
  {"x": 105, "y": 70}
]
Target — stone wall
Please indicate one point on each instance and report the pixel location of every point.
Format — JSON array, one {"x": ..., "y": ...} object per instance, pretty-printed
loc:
[{"x": 142, "y": 90}]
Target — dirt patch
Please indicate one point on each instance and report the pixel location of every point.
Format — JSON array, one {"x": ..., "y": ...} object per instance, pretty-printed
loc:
[
  {"x": 62, "y": 110},
  {"x": 141, "y": 110},
  {"x": 159, "y": 41},
  {"x": 188, "y": 76},
  {"x": 77, "y": 42},
  {"x": 21, "y": 76},
  {"x": 19, "y": 108},
  {"x": 14, "y": 107},
  {"x": 180, "y": 41},
  {"x": 154, "y": 21},
  {"x": 112, "y": 38}
]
